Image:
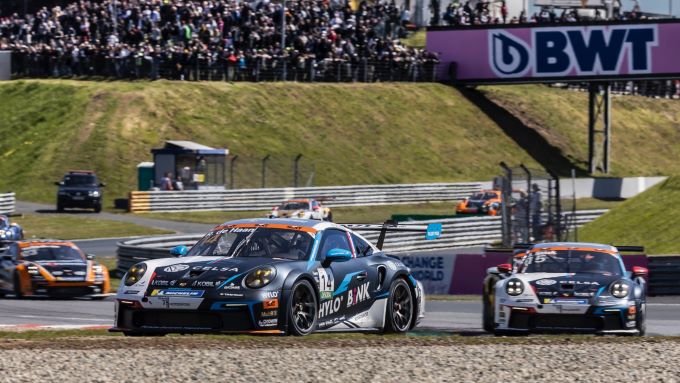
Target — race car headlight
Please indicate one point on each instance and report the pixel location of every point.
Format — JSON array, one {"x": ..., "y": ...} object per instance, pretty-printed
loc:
[
  {"x": 260, "y": 277},
  {"x": 620, "y": 289},
  {"x": 135, "y": 274},
  {"x": 33, "y": 270},
  {"x": 514, "y": 287},
  {"x": 93, "y": 193},
  {"x": 97, "y": 269}
]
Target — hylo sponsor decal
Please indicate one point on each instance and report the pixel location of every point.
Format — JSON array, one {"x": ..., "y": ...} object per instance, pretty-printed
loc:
[
  {"x": 271, "y": 294},
  {"x": 330, "y": 306}
]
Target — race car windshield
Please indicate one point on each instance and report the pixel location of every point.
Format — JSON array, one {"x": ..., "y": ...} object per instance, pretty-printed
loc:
[
  {"x": 254, "y": 242},
  {"x": 483, "y": 196},
  {"x": 80, "y": 180},
  {"x": 51, "y": 253},
  {"x": 572, "y": 261},
  {"x": 294, "y": 206}
]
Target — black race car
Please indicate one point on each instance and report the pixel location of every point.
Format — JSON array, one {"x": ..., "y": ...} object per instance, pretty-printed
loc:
[
  {"x": 80, "y": 189},
  {"x": 283, "y": 276}
]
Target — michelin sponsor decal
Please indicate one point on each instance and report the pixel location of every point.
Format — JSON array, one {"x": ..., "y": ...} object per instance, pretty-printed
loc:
[{"x": 178, "y": 293}]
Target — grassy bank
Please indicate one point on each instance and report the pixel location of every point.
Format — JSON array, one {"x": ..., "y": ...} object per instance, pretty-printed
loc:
[
  {"x": 352, "y": 133},
  {"x": 645, "y": 137},
  {"x": 648, "y": 219}
]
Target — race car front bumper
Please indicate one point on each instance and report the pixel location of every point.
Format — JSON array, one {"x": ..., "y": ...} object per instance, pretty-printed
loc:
[{"x": 594, "y": 319}]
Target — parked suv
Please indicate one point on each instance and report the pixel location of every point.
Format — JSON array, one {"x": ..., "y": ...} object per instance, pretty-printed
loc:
[{"x": 80, "y": 189}]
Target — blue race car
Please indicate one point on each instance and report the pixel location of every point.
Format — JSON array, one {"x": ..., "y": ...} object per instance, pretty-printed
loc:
[
  {"x": 9, "y": 232},
  {"x": 276, "y": 276}
]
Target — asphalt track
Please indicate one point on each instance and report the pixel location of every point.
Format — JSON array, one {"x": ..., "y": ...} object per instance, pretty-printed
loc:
[{"x": 663, "y": 315}]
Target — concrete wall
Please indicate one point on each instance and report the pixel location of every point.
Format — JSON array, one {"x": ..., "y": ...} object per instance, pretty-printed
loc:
[
  {"x": 603, "y": 188},
  {"x": 5, "y": 65},
  {"x": 608, "y": 187}
]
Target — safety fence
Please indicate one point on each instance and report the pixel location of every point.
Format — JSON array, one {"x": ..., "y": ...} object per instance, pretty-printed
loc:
[
  {"x": 263, "y": 199},
  {"x": 456, "y": 233},
  {"x": 7, "y": 202},
  {"x": 201, "y": 66}
]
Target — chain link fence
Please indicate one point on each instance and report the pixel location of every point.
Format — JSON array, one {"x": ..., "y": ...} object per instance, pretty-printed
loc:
[
  {"x": 269, "y": 172},
  {"x": 205, "y": 67}
]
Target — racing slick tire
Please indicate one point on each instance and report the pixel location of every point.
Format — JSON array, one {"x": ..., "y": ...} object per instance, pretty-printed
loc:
[
  {"x": 17, "y": 286},
  {"x": 400, "y": 306},
  {"x": 641, "y": 320},
  {"x": 302, "y": 309},
  {"x": 98, "y": 208},
  {"x": 487, "y": 314}
]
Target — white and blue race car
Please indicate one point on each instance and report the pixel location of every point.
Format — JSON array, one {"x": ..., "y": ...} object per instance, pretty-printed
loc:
[{"x": 566, "y": 287}]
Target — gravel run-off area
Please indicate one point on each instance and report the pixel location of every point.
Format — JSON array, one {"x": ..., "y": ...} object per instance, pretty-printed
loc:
[{"x": 454, "y": 359}]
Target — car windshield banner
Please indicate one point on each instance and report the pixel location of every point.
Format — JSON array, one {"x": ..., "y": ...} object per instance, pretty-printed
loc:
[{"x": 566, "y": 52}]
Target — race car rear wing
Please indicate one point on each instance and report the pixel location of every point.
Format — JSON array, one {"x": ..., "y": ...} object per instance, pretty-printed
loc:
[
  {"x": 621, "y": 249},
  {"x": 630, "y": 249},
  {"x": 432, "y": 231}
]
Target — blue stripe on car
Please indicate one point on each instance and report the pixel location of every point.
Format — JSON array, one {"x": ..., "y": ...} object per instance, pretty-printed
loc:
[
  {"x": 345, "y": 283},
  {"x": 229, "y": 280}
]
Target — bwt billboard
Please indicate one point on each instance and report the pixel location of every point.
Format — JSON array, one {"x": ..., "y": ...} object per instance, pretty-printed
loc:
[{"x": 548, "y": 52}]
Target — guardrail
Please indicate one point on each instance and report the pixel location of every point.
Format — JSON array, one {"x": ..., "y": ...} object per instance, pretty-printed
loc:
[
  {"x": 456, "y": 233},
  {"x": 7, "y": 202},
  {"x": 263, "y": 199}
]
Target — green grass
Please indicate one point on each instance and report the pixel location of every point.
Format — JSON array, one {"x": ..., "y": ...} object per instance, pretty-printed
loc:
[
  {"x": 74, "y": 227},
  {"x": 590, "y": 204},
  {"x": 353, "y": 133},
  {"x": 645, "y": 135},
  {"x": 648, "y": 219},
  {"x": 368, "y": 214}
]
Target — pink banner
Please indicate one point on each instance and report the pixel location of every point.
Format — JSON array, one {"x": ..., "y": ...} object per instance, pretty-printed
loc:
[{"x": 564, "y": 52}]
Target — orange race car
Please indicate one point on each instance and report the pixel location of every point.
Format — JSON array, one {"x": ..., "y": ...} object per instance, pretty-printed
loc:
[
  {"x": 483, "y": 202},
  {"x": 52, "y": 268}
]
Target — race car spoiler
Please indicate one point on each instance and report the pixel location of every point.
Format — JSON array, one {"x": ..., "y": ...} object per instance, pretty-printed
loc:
[
  {"x": 630, "y": 249},
  {"x": 432, "y": 231},
  {"x": 621, "y": 249}
]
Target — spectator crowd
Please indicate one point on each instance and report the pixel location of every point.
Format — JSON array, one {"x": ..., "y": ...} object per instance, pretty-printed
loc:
[{"x": 216, "y": 40}]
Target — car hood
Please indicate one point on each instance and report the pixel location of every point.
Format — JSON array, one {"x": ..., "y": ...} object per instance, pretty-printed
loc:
[
  {"x": 202, "y": 273},
  {"x": 568, "y": 285}
]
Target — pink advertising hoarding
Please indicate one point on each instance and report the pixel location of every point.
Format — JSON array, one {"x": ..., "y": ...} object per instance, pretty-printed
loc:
[{"x": 522, "y": 53}]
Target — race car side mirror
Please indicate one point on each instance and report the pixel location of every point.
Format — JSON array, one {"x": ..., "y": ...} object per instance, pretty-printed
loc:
[
  {"x": 102, "y": 184},
  {"x": 639, "y": 271},
  {"x": 338, "y": 255},
  {"x": 59, "y": 183},
  {"x": 179, "y": 251},
  {"x": 504, "y": 268},
  {"x": 89, "y": 257}
]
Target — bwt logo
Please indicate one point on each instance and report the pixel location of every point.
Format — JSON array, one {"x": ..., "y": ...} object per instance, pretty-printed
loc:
[{"x": 555, "y": 52}]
